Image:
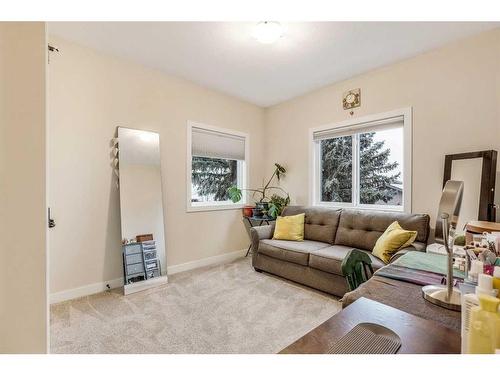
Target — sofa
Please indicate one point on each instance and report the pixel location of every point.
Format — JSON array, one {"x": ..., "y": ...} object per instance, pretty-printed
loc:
[{"x": 329, "y": 235}]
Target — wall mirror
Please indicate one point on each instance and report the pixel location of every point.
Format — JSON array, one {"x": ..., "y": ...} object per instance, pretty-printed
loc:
[
  {"x": 478, "y": 172},
  {"x": 141, "y": 209}
]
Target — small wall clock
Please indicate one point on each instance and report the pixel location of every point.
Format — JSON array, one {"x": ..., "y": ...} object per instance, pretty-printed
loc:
[{"x": 352, "y": 99}]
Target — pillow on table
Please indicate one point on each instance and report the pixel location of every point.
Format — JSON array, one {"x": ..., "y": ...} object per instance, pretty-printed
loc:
[
  {"x": 393, "y": 239},
  {"x": 289, "y": 228}
]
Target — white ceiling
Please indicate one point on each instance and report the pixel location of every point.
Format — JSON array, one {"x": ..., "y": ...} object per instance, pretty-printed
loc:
[{"x": 225, "y": 57}]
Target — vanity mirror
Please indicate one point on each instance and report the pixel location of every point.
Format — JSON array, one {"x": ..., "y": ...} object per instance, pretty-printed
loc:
[{"x": 141, "y": 209}]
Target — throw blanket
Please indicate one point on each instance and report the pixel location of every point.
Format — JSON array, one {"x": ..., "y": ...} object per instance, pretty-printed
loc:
[
  {"x": 419, "y": 268},
  {"x": 434, "y": 263}
]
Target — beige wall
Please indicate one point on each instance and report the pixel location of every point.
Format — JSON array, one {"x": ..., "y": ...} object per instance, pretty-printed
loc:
[
  {"x": 23, "y": 292},
  {"x": 454, "y": 92},
  {"x": 90, "y": 95},
  {"x": 455, "y": 95}
]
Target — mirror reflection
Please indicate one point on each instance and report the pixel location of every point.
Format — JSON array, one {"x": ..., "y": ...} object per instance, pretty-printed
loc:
[{"x": 468, "y": 171}]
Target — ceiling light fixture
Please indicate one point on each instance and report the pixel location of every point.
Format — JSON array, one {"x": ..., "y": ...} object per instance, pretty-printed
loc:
[{"x": 268, "y": 32}]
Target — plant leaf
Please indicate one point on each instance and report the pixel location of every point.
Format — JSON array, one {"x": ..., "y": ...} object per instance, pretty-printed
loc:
[
  {"x": 273, "y": 211},
  {"x": 235, "y": 194}
]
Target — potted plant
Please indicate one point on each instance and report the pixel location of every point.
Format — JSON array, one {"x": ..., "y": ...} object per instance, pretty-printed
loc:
[{"x": 266, "y": 206}]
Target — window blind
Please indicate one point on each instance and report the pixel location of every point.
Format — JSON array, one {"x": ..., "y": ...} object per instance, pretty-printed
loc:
[
  {"x": 389, "y": 123},
  {"x": 214, "y": 144}
]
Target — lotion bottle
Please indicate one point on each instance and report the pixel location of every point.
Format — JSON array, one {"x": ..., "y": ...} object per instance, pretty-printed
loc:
[
  {"x": 496, "y": 278},
  {"x": 484, "y": 326},
  {"x": 471, "y": 300}
]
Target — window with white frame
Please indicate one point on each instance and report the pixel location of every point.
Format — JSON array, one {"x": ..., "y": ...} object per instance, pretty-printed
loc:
[
  {"x": 364, "y": 163},
  {"x": 216, "y": 161}
]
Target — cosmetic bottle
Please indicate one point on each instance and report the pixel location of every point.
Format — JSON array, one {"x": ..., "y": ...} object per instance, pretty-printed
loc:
[
  {"x": 484, "y": 326},
  {"x": 496, "y": 278},
  {"x": 477, "y": 268},
  {"x": 471, "y": 300}
]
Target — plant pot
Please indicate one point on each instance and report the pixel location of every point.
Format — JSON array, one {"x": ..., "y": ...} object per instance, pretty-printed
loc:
[
  {"x": 257, "y": 212},
  {"x": 248, "y": 211},
  {"x": 262, "y": 205}
]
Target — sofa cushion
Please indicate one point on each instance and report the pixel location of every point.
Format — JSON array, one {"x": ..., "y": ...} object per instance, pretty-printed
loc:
[
  {"x": 320, "y": 223},
  {"x": 290, "y": 228},
  {"x": 361, "y": 229},
  {"x": 393, "y": 239},
  {"x": 291, "y": 251},
  {"x": 329, "y": 259}
]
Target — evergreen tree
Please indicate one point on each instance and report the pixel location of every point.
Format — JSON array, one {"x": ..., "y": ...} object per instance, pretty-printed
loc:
[
  {"x": 375, "y": 168},
  {"x": 336, "y": 169},
  {"x": 213, "y": 177}
]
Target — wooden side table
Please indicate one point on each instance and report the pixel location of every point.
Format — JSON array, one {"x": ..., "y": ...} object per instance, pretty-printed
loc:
[
  {"x": 418, "y": 336},
  {"x": 252, "y": 222}
]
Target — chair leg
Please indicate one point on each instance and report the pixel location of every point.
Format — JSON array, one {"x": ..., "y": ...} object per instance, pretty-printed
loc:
[{"x": 248, "y": 250}]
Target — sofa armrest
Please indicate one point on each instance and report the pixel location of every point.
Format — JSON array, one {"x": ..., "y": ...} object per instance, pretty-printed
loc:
[
  {"x": 261, "y": 233},
  {"x": 416, "y": 246}
]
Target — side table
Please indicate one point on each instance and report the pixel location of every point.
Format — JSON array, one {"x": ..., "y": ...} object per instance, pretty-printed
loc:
[{"x": 254, "y": 221}]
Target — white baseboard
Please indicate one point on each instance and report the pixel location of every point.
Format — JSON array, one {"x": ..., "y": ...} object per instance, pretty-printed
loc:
[
  {"x": 217, "y": 259},
  {"x": 86, "y": 290}
]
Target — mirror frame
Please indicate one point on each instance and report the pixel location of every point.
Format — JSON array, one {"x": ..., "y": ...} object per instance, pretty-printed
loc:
[{"x": 487, "y": 210}]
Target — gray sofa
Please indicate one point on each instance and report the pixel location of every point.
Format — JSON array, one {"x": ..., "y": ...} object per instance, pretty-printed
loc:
[{"x": 329, "y": 234}]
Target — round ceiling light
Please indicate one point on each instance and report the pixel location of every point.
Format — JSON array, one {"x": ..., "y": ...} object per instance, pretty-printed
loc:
[{"x": 268, "y": 32}]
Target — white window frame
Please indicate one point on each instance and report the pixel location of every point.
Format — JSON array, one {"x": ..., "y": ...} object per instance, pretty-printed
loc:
[
  {"x": 359, "y": 123},
  {"x": 243, "y": 168}
]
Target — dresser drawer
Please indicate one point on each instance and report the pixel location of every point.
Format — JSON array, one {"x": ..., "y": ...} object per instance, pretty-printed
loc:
[
  {"x": 133, "y": 249},
  {"x": 135, "y": 268},
  {"x": 134, "y": 258},
  {"x": 149, "y": 255},
  {"x": 151, "y": 265},
  {"x": 151, "y": 274}
]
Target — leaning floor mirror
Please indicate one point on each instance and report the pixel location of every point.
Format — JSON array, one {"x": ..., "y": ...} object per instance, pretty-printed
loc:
[
  {"x": 478, "y": 172},
  {"x": 141, "y": 209}
]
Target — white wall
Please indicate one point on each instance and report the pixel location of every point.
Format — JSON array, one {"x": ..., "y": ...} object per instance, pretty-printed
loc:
[
  {"x": 455, "y": 95},
  {"x": 23, "y": 292},
  {"x": 90, "y": 95}
]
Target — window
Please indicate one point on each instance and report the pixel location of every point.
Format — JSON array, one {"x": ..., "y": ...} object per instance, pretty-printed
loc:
[
  {"x": 364, "y": 163},
  {"x": 216, "y": 161}
]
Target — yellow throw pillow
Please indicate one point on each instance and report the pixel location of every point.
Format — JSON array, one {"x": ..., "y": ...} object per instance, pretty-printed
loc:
[
  {"x": 393, "y": 239},
  {"x": 289, "y": 228}
]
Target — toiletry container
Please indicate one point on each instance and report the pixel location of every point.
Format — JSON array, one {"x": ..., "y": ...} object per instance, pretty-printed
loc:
[
  {"x": 484, "y": 326},
  {"x": 471, "y": 300},
  {"x": 496, "y": 278},
  {"x": 476, "y": 269}
]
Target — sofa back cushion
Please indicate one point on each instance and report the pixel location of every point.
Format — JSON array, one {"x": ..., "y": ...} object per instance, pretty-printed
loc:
[
  {"x": 320, "y": 223},
  {"x": 362, "y": 228}
]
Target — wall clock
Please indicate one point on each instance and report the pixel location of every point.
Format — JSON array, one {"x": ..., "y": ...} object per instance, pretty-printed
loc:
[{"x": 352, "y": 99}]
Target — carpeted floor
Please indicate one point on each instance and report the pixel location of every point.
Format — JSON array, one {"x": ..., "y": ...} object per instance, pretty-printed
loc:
[{"x": 227, "y": 308}]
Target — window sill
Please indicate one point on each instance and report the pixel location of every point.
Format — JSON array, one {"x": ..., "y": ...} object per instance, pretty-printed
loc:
[
  {"x": 215, "y": 207},
  {"x": 361, "y": 208}
]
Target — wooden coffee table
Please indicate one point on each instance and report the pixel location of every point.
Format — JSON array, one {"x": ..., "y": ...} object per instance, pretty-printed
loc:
[{"x": 418, "y": 336}]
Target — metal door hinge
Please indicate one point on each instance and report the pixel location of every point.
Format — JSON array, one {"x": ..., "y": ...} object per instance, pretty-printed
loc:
[{"x": 52, "y": 222}]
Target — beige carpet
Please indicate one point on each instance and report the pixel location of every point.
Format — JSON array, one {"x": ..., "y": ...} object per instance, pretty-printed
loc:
[{"x": 227, "y": 308}]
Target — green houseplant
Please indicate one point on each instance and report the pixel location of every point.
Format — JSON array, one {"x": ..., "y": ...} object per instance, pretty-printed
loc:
[{"x": 269, "y": 202}]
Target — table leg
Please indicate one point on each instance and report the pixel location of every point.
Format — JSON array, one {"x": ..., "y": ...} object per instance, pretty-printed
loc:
[{"x": 251, "y": 226}]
